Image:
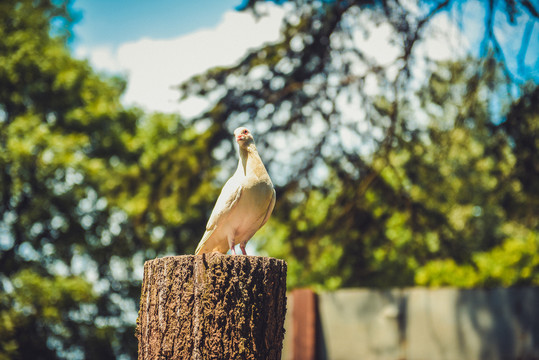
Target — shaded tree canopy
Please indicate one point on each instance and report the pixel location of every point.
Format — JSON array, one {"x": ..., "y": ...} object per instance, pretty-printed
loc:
[
  {"x": 376, "y": 156},
  {"x": 88, "y": 191}
]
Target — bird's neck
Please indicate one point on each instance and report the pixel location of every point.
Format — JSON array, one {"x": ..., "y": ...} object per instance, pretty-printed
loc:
[{"x": 250, "y": 163}]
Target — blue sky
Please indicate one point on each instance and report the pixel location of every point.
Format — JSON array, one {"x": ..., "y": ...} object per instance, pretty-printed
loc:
[{"x": 114, "y": 22}]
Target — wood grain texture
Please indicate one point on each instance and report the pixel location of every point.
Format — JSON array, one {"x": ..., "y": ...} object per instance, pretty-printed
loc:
[{"x": 212, "y": 306}]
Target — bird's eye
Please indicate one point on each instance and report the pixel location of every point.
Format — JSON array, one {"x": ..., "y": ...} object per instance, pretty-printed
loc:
[{"x": 245, "y": 131}]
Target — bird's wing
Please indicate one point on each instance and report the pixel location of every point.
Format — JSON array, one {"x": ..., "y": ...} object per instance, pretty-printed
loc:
[
  {"x": 226, "y": 201},
  {"x": 270, "y": 209}
]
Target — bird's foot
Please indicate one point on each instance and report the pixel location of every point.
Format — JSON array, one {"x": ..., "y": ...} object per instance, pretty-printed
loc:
[{"x": 242, "y": 247}]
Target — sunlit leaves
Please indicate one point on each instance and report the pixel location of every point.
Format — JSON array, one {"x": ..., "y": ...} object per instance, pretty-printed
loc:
[{"x": 514, "y": 262}]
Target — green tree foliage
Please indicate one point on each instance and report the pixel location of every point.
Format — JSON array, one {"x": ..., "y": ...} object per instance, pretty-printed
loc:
[
  {"x": 446, "y": 195},
  {"x": 58, "y": 122},
  {"x": 88, "y": 191},
  {"x": 515, "y": 262},
  {"x": 507, "y": 218},
  {"x": 381, "y": 167}
]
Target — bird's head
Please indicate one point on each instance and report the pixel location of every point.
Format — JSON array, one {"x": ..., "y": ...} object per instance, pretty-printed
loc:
[{"x": 243, "y": 136}]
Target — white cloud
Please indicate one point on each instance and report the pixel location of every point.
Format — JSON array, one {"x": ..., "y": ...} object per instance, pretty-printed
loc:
[
  {"x": 444, "y": 40},
  {"x": 101, "y": 57},
  {"x": 155, "y": 66}
]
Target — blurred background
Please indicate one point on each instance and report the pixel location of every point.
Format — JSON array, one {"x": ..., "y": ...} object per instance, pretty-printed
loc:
[{"x": 402, "y": 138}]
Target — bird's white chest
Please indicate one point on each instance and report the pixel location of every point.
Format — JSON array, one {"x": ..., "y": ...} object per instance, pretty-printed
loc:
[{"x": 251, "y": 209}]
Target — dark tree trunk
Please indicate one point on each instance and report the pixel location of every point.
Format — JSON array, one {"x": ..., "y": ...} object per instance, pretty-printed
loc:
[{"x": 212, "y": 306}]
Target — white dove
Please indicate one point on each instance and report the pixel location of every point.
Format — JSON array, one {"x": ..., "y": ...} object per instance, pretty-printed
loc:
[{"x": 244, "y": 205}]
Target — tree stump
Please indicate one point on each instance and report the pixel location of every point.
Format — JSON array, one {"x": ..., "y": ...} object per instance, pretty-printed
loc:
[{"x": 212, "y": 306}]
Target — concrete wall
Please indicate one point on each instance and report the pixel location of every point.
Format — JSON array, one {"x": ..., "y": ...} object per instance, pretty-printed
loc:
[{"x": 425, "y": 324}]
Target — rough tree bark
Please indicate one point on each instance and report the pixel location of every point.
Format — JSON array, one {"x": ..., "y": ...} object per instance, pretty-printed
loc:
[{"x": 212, "y": 306}]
